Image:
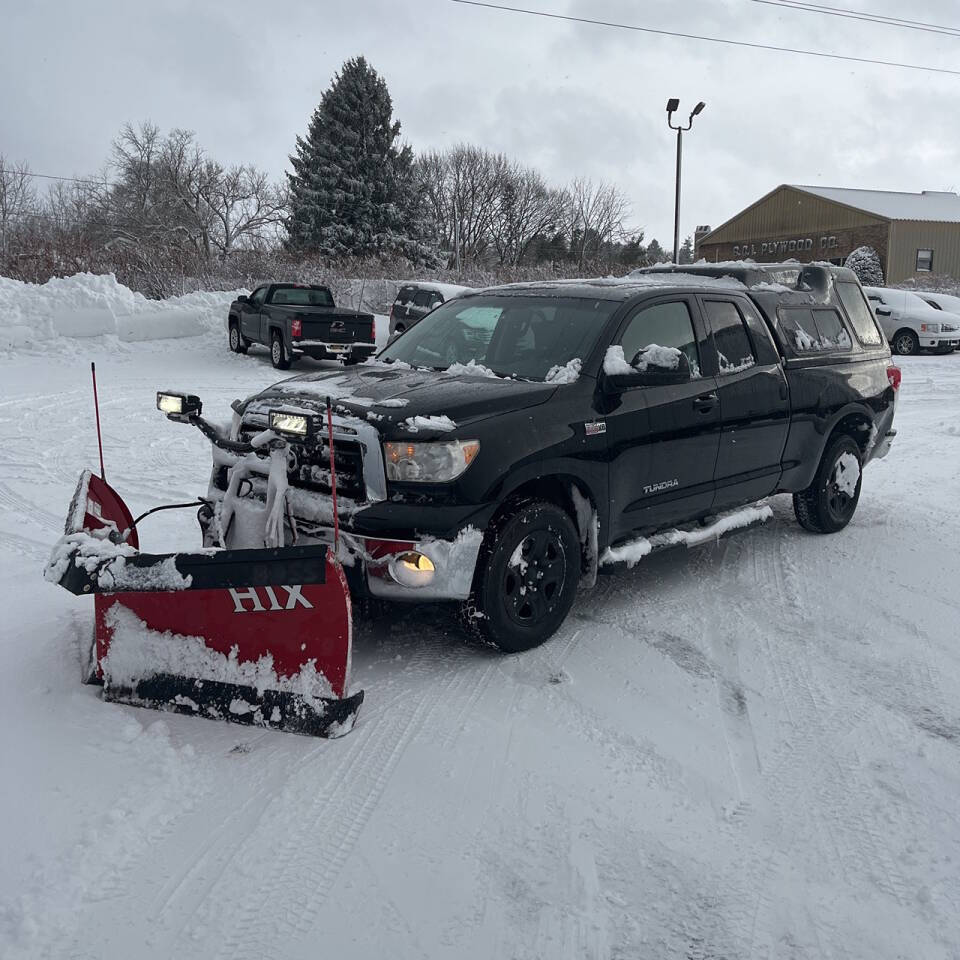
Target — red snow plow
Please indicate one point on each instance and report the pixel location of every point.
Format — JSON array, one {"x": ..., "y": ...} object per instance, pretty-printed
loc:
[{"x": 254, "y": 636}]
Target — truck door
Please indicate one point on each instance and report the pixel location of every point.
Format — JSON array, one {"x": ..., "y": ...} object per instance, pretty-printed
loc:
[
  {"x": 662, "y": 440},
  {"x": 754, "y": 402},
  {"x": 250, "y": 317}
]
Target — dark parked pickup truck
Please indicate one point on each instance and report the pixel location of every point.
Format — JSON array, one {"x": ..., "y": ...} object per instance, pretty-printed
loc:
[
  {"x": 294, "y": 320},
  {"x": 493, "y": 452}
]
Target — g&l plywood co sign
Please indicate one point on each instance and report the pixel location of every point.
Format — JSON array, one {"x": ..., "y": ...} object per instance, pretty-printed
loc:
[{"x": 775, "y": 247}]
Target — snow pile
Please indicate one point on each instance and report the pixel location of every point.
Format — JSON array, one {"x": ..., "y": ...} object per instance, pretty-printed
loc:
[
  {"x": 568, "y": 373},
  {"x": 441, "y": 422},
  {"x": 471, "y": 369},
  {"x": 667, "y": 358},
  {"x": 614, "y": 362},
  {"x": 108, "y": 561},
  {"x": 847, "y": 474},
  {"x": 91, "y": 305},
  {"x": 137, "y": 653},
  {"x": 633, "y": 551}
]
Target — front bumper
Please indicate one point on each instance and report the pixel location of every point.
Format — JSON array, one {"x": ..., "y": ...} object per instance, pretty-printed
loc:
[{"x": 943, "y": 342}]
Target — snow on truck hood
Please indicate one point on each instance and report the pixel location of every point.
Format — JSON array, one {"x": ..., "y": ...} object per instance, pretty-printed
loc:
[{"x": 387, "y": 397}]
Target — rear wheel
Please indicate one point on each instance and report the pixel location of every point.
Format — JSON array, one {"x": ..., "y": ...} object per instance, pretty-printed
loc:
[
  {"x": 905, "y": 343},
  {"x": 278, "y": 355},
  {"x": 830, "y": 502},
  {"x": 238, "y": 343},
  {"x": 526, "y": 579}
]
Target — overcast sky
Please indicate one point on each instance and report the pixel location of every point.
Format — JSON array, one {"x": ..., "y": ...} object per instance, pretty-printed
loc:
[{"x": 570, "y": 99}]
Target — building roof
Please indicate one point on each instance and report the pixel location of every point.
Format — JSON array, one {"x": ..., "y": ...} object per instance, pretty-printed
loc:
[{"x": 933, "y": 205}]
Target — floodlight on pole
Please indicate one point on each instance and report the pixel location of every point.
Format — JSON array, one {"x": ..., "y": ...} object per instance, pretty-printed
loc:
[{"x": 673, "y": 104}]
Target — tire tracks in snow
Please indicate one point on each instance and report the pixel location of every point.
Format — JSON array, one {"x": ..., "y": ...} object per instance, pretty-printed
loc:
[
  {"x": 808, "y": 778},
  {"x": 321, "y": 823}
]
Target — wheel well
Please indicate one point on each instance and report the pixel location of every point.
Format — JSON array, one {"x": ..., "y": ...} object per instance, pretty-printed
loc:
[
  {"x": 909, "y": 330},
  {"x": 233, "y": 322},
  {"x": 562, "y": 492},
  {"x": 857, "y": 426}
]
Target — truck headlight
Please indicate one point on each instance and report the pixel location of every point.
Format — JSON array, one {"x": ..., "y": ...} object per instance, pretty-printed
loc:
[
  {"x": 432, "y": 462},
  {"x": 929, "y": 327}
]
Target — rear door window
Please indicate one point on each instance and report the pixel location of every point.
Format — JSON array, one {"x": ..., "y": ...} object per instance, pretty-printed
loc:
[
  {"x": 730, "y": 337},
  {"x": 423, "y": 298},
  {"x": 405, "y": 295},
  {"x": 814, "y": 329},
  {"x": 864, "y": 325}
]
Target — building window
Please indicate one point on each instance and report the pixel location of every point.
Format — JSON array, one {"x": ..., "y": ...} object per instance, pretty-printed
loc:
[{"x": 924, "y": 261}]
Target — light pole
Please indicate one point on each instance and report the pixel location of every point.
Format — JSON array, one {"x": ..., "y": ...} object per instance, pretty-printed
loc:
[{"x": 672, "y": 105}]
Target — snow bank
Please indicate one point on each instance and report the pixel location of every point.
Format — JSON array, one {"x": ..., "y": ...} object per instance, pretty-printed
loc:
[{"x": 93, "y": 305}]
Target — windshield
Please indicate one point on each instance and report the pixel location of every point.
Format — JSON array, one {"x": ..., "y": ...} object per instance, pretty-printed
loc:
[
  {"x": 302, "y": 297},
  {"x": 524, "y": 337}
]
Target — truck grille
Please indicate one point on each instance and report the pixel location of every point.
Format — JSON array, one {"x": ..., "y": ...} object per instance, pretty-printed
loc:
[{"x": 308, "y": 466}]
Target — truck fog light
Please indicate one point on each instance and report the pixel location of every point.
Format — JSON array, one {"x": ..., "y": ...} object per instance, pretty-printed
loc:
[{"x": 412, "y": 569}]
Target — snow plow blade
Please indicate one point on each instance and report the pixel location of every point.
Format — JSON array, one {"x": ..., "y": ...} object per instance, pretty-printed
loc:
[{"x": 260, "y": 637}]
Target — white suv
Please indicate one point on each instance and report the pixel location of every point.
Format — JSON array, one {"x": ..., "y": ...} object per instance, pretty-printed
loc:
[{"x": 910, "y": 324}]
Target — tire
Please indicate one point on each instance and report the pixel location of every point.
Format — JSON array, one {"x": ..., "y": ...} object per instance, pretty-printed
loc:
[
  {"x": 278, "y": 355},
  {"x": 823, "y": 507},
  {"x": 905, "y": 343},
  {"x": 238, "y": 343},
  {"x": 519, "y": 607}
]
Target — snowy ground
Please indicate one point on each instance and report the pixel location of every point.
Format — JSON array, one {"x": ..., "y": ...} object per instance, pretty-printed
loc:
[{"x": 751, "y": 749}]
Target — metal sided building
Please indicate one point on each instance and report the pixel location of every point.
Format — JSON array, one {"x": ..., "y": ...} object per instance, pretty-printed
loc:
[{"x": 913, "y": 233}]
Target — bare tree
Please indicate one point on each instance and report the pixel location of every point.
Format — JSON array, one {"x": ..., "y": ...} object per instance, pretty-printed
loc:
[
  {"x": 527, "y": 208},
  {"x": 595, "y": 215},
  {"x": 17, "y": 198},
  {"x": 245, "y": 205}
]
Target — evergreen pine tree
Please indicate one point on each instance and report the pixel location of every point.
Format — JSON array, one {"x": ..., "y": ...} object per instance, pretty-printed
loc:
[
  {"x": 865, "y": 263},
  {"x": 352, "y": 192},
  {"x": 686, "y": 251}
]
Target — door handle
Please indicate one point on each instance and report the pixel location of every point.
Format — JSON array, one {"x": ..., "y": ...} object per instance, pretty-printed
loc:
[{"x": 705, "y": 402}]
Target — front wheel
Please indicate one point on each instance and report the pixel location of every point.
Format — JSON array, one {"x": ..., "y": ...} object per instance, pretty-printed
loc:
[
  {"x": 830, "y": 502},
  {"x": 526, "y": 579},
  {"x": 278, "y": 355},
  {"x": 906, "y": 343},
  {"x": 238, "y": 344}
]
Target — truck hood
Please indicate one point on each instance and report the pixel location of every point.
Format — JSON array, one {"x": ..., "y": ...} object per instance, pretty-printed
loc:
[{"x": 387, "y": 396}]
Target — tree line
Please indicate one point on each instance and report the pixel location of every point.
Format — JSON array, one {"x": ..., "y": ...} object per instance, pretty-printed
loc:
[{"x": 162, "y": 209}]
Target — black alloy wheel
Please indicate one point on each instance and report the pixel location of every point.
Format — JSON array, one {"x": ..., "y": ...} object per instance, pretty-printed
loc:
[{"x": 526, "y": 577}]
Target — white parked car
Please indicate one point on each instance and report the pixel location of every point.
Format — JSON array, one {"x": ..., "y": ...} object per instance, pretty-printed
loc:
[
  {"x": 942, "y": 301},
  {"x": 910, "y": 324}
]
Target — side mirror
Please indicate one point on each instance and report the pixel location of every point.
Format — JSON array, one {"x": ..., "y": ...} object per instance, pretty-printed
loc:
[{"x": 243, "y": 298}]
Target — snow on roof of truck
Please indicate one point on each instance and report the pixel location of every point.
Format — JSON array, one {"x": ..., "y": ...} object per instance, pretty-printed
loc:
[
  {"x": 608, "y": 288},
  {"x": 448, "y": 290}
]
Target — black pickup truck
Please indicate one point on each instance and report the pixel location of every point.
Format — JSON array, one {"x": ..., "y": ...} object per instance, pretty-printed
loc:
[
  {"x": 294, "y": 320},
  {"x": 495, "y": 452}
]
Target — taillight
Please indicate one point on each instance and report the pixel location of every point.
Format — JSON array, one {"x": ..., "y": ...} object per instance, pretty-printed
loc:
[
  {"x": 373, "y": 329},
  {"x": 894, "y": 376},
  {"x": 296, "y": 328}
]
